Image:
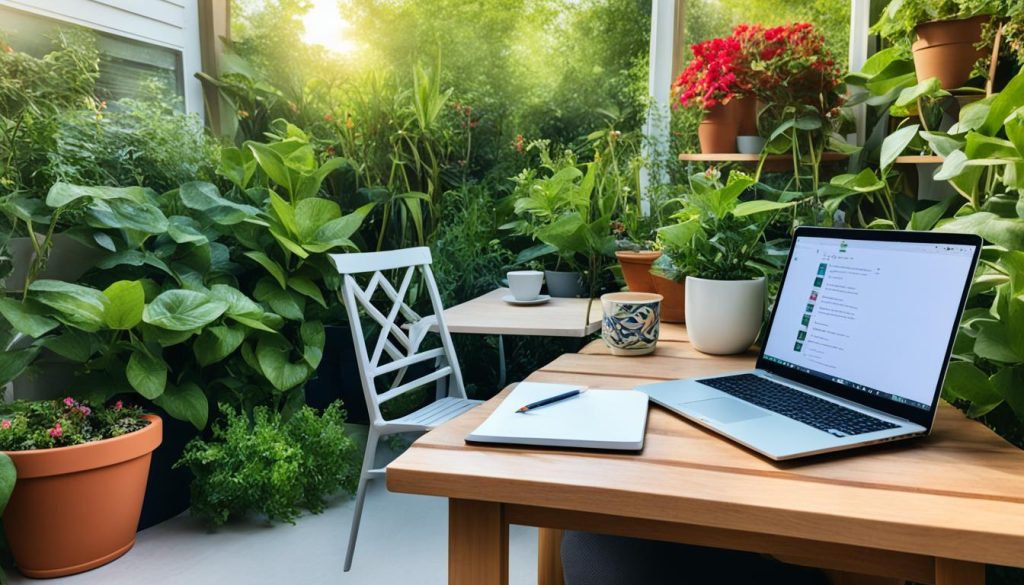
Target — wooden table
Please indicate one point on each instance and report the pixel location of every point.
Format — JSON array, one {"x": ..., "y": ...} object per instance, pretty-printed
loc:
[
  {"x": 489, "y": 315},
  {"x": 931, "y": 511}
]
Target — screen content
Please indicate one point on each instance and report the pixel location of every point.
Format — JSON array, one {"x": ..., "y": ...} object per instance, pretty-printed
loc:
[{"x": 873, "y": 316}]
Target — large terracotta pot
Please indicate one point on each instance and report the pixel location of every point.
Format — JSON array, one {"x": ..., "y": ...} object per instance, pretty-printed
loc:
[
  {"x": 674, "y": 304},
  {"x": 945, "y": 49},
  {"x": 719, "y": 128},
  {"x": 76, "y": 508},
  {"x": 636, "y": 269}
]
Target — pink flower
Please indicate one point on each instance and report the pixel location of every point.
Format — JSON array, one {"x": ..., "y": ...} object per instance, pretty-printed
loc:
[
  {"x": 69, "y": 402},
  {"x": 56, "y": 431},
  {"x": 85, "y": 410},
  {"x": 5, "y": 424}
]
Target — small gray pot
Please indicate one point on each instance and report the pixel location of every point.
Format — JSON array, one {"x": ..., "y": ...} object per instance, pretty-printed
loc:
[
  {"x": 564, "y": 284},
  {"x": 750, "y": 144}
]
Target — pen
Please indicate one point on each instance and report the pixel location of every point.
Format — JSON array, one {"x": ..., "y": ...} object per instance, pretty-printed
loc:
[{"x": 548, "y": 401}]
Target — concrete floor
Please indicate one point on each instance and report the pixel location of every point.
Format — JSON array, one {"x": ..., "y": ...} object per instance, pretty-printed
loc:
[{"x": 403, "y": 540}]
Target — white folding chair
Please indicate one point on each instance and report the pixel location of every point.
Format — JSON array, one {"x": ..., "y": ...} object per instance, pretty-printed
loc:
[{"x": 395, "y": 349}]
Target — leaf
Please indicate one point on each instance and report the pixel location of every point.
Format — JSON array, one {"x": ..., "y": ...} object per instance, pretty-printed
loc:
[
  {"x": 337, "y": 232},
  {"x": 61, "y": 194},
  {"x": 309, "y": 185},
  {"x": 994, "y": 343},
  {"x": 314, "y": 337},
  {"x": 185, "y": 402},
  {"x": 964, "y": 380},
  {"x": 237, "y": 166},
  {"x": 865, "y": 182},
  {"x": 308, "y": 288},
  {"x": 183, "y": 310},
  {"x": 272, "y": 164},
  {"x": 1003, "y": 104},
  {"x": 184, "y": 230},
  {"x": 926, "y": 219},
  {"x": 75, "y": 305},
  {"x": 533, "y": 252},
  {"x": 126, "y": 300},
  {"x": 14, "y": 362},
  {"x": 216, "y": 343},
  {"x": 205, "y": 198},
  {"x": 759, "y": 206},
  {"x": 896, "y": 143},
  {"x": 8, "y": 476},
  {"x": 27, "y": 318},
  {"x": 272, "y": 352},
  {"x": 270, "y": 265},
  {"x": 75, "y": 345},
  {"x": 1009, "y": 383},
  {"x": 282, "y": 302},
  {"x": 146, "y": 373},
  {"x": 311, "y": 214},
  {"x": 930, "y": 88},
  {"x": 1008, "y": 233}
]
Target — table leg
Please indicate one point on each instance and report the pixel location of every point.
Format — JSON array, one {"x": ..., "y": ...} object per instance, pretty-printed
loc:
[
  {"x": 502, "y": 370},
  {"x": 477, "y": 543},
  {"x": 954, "y": 572},
  {"x": 549, "y": 557}
]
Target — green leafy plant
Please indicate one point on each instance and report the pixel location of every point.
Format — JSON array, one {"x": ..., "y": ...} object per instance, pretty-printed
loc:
[
  {"x": 270, "y": 465},
  {"x": 49, "y": 424},
  {"x": 718, "y": 237}
]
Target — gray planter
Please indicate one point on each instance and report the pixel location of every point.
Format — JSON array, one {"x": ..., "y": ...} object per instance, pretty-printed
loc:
[
  {"x": 750, "y": 144},
  {"x": 928, "y": 189},
  {"x": 69, "y": 259},
  {"x": 564, "y": 284}
]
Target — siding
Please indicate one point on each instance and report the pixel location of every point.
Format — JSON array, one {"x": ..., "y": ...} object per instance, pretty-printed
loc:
[{"x": 168, "y": 23}]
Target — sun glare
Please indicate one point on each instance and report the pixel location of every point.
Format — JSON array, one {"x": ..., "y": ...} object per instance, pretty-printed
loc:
[{"x": 325, "y": 27}]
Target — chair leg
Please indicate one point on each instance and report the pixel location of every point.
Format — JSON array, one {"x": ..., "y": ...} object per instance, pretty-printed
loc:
[{"x": 364, "y": 477}]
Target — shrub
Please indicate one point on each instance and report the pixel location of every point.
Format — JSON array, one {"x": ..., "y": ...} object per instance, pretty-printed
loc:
[
  {"x": 271, "y": 465},
  {"x": 63, "y": 423}
]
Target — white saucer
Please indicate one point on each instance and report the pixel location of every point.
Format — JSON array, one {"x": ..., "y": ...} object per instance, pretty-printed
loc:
[{"x": 537, "y": 301}]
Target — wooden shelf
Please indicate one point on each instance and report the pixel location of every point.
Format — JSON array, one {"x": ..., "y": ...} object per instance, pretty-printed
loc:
[
  {"x": 919, "y": 159},
  {"x": 773, "y": 163}
]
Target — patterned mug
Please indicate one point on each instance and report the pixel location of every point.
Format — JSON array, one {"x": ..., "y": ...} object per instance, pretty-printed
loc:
[{"x": 631, "y": 321}]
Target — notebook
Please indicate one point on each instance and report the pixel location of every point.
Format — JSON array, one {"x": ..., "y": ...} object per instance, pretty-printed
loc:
[{"x": 596, "y": 419}]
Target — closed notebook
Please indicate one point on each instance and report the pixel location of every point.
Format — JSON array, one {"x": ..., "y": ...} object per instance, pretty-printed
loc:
[{"x": 596, "y": 419}]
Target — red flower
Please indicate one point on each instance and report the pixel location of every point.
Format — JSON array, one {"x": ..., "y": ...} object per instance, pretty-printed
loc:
[
  {"x": 56, "y": 431},
  {"x": 328, "y": 117},
  {"x": 118, "y": 405}
]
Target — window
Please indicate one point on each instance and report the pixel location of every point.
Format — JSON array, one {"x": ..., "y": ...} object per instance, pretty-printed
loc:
[{"x": 126, "y": 65}]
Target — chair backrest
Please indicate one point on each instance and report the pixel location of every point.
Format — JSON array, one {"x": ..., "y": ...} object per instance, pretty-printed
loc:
[{"x": 395, "y": 349}]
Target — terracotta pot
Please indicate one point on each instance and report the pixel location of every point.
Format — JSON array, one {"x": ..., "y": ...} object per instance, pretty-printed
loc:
[
  {"x": 673, "y": 306},
  {"x": 746, "y": 112},
  {"x": 718, "y": 129},
  {"x": 636, "y": 269},
  {"x": 76, "y": 508},
  {"x": 945, "y": 49}
]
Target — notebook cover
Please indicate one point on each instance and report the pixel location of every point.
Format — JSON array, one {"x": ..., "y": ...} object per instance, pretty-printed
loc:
[{"x": 596, "y": 419}]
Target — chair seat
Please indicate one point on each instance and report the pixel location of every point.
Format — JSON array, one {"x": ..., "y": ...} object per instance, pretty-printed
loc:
[{"x": 435, "y": 413}]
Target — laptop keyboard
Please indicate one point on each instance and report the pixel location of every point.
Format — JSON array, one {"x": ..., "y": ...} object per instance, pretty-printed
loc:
[{"x": 819, "y": 413}]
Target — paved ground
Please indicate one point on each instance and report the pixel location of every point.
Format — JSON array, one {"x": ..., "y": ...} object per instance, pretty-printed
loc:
[{"x": 403, "y": 541}]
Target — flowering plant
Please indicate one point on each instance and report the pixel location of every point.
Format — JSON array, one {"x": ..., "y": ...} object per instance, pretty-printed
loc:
[
  {"x": 791, "y": 65},
  {"x": 718, "y": 73},
  {"x": 48, "y": 424}
]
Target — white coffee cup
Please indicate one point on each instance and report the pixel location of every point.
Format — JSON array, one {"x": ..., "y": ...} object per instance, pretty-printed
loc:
[{"x": 525, "y": 284}]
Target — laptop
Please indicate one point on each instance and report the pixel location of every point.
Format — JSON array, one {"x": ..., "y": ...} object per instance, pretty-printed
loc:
[{"x": 855, "y": 351}]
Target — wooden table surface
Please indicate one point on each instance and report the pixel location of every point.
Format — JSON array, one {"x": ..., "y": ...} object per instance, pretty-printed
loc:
[
  {"x": 489, "y": 315},
  {"x": 928, "y": 510}
]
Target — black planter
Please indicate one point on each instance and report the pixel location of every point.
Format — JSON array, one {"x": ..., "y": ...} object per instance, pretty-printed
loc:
[
  {"x": 167, "y": 491},
  {"x": 337, "y": 378}
]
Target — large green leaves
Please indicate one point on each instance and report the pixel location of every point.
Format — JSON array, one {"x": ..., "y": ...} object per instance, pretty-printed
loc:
[
  {"x": 216, "y": 343},
  {"x": 71, "y": 304},
  {"x": 205, "y": 198},
  {"x": 8, "y": 476},
  {"x": 62, "y": 194},
  {"x": 185, "y": 402},
  {"x": 147, "y": 373},
  {"x": 183, "y": 310},
  {"x": 27, "y": 318},
  {"x": 273, "y": 354},
  {"x": 964, "y": 380}
]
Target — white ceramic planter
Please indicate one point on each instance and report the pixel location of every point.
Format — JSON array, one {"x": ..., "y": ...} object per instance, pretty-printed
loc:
[{"x": 723, "y": 316}]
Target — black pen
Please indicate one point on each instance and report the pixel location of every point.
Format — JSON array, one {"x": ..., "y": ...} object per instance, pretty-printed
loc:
[{"x": 548, "y": 401}]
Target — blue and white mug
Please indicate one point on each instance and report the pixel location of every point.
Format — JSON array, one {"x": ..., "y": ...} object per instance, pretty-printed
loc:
[{"x": 631, "y": 322}]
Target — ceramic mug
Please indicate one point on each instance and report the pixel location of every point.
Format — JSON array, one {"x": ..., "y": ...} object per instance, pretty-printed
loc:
[
  {"x": 631, "y": 322},
  {"x": 525, "y": 284}
]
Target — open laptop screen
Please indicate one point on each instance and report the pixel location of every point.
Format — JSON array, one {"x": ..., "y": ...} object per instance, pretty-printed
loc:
[{"x": 872, "y": 316}]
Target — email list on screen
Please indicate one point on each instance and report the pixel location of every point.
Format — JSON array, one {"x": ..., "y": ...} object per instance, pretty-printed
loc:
[{"x": 874, "y": 316}]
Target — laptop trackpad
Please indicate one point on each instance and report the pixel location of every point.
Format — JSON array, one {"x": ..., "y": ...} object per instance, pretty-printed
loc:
[{"x": 725, "y": 410}]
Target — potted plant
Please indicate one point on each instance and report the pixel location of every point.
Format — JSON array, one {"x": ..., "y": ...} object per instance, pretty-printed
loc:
[
  {"x": 81, "y": 478},
  {"x": 719, "y": 246},
  {"x": 713, "y": 82},
  {"x": 570, "y": 218},
  {"x": 945, "y": 36}
]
